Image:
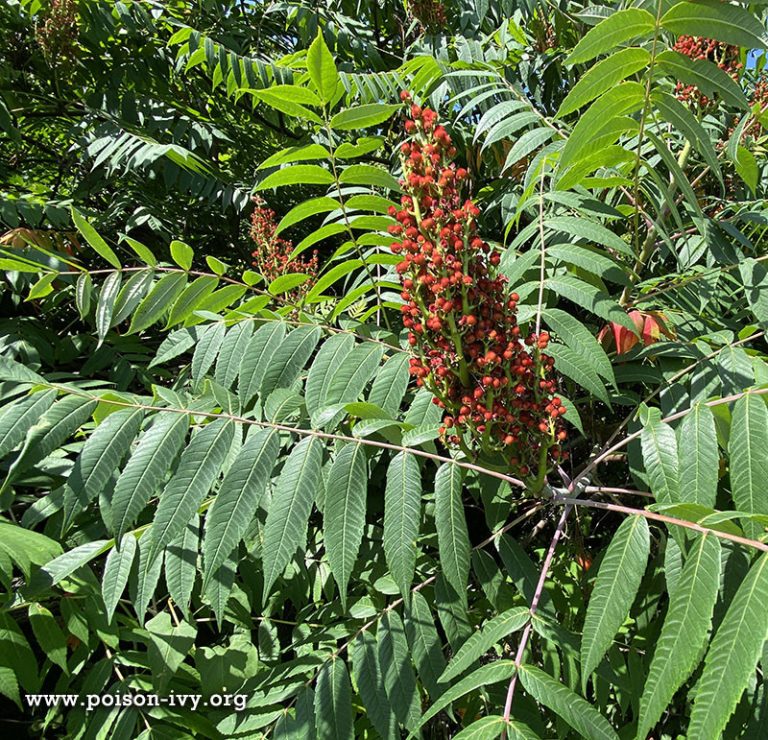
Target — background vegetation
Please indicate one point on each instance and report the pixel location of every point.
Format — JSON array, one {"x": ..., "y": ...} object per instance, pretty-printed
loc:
[{"x": 218, "y": 474}]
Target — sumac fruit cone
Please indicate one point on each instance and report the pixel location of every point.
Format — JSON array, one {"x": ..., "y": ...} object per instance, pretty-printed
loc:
[{"x": 496, "y": 386}]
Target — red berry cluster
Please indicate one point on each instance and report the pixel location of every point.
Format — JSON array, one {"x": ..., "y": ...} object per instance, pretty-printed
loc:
[
  {"x": 758, "y": 103},
  {"x": 272, "y": 256},
  {"x": 723, "y": 55},
  {"x": 496, "y": 386}
]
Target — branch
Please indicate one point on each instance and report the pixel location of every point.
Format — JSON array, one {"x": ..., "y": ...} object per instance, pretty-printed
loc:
[
  {"x": 534, "y": 606},
  {"x": 672, "y": 417},
  {"x": 570, "y": 502},
  {"x": 292, "y": 430}
]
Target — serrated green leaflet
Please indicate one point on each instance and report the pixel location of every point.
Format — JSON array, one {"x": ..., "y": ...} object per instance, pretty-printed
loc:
[
  {"x": 705, "y": 75},
  {"x": 390, "y": 384},
  {"x": 747, "y": 446},
  {"x": 100, "y": 457},
  {"x": 575, "y": 335},
  {"x": 208, "y": 346},
  {"x": 573, "y": 365},
  {"x": 116, "y": 572},
  {"x": 16, "y": 419},
  {"x": 397, "y": 671},
  {"x": 577, "y": 712},
  {"x": 324, "y": 368},
  {"x": 65, "y": 565},
  {"x": 60, "y": 421},
  {"x": 722, "y": 21},
  {"x": 733, "y": 655},
  {"x": 662, "y": 463},
  {"x": 358, "y": 367},
  {"x": 424, "y": 643},
  {"x": 362, "y": 116},
  {"x": 590, "y": 259},
  {"x": 182, "y": 254},
  {"x": 622, "y": 100},
  {"x": 94, "y": 239},
  {"x": 253, "y": 365},
  {"x": 451, "y": 525},
  {"x": 162, "y": 296},
  {"x": 679, "y": 116},
  {"x": 617, "y": 28},
  {"x": 286, "y": 526},
  {"x": 402, "y": 517},
  {"x": 345, "y": 503},
  {"x": 106, "y": 304},
  {"x": 181, "y": 565},
  {"x": 235, "y": 504},
  {"x": 485, "y": 638},
  {"x": 322, "y": 69},
  {"x": 697, "y": 438},
  {"x": 591, "y": 298},
  {"x": 289, "y": 359},
  {"x": 615, "y": 589},
  {"x": 527, "y": 143},
  {"x": 146, "y": 468},
  {"x": 144, "y": 579},
  {"x": 49, "y": 635},
  {"x": 231, "y": 353},
  {"x": 198, "y": 468},
  {"x": 305, "y": 210},
  {"x": 191, "y": 299},
  {"x": 218, "y": 586},
  {"x": 333, "y": 702},
  {"x": 603, "y": 76},
  {"x": 500, "y": 670},
  {"x": 370, "y": 684},
  {"x": 297, "y": 174}
]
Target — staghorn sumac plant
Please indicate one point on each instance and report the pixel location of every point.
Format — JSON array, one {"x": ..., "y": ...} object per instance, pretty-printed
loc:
[{"x": 338, "y": 507}]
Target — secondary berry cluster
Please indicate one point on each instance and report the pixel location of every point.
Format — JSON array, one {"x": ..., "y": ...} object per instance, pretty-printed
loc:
[
  {"x": 758, "y": 103},
  {"x": 496, "y": 386},
  {"x": 430, "y": 14},
  {"x": 57, "y": 34},
  {"x": 272, "y": 256}
]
